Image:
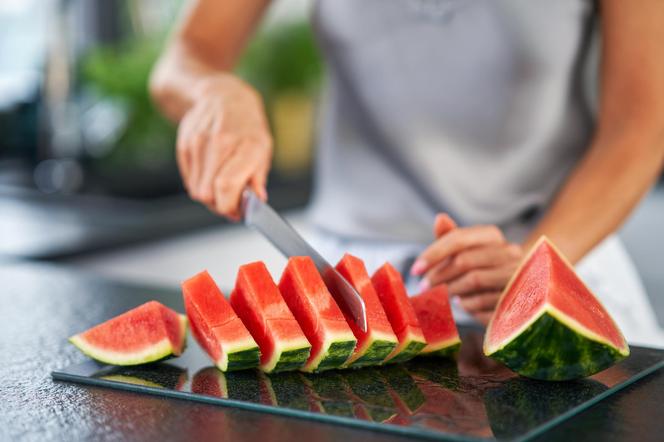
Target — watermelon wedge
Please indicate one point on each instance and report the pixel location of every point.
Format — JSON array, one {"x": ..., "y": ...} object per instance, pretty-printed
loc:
[
  {"x": 433, "y": 311},
  {"x": 374, "y": 345},
  {"x": 216, "y": 327},
  {"x": 147, "y": 333},
  {"x": 258, "y": 302},
  {"x": 392, "y": 294},
  {"x": 548, "y": 325},
  {"x": 318, "y": 314}
]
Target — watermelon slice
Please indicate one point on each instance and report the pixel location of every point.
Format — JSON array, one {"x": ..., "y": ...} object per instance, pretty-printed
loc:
[
  {"x": 374, "y": 345},
  {"x": 548, "y": 325},
  {"x": 258, "y": 302},
  {"x": 318, "y": 314},
  {"x": 432, "y": 309},
  {"x": 392, "y": 294},
  {"x": 147, "y": 333},
  {"x": 216, "y": 327}
]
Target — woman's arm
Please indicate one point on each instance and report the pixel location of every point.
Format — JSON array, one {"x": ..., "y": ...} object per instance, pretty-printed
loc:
[
  {"x": 623, "y": 161},
  {"x": 223, "y": 139},
  {"x": 204, "y": 47},
  {"x": 627, "y": 153}
]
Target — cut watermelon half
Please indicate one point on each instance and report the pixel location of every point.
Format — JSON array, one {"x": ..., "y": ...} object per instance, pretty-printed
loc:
[
  {"x": 392, "y": 294},
  {"x": 433, "y": 311},
  {"x": 258, "y": 302},
  {"x": 374, "y": 345},
  {"x": 318, "y": 314},
  {"x": 548, "y": 325},
  {"x": 147, "y": 333},
  {"x": 216, "y": 327}
]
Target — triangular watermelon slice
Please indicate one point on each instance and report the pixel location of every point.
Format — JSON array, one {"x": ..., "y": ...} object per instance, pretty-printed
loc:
[
  {"x": 318, "y": 314},
  {"x": 147, "y": 333},
  {"x": 374, "y": 345},
  {"x": 392, "y": 294},
  {"x": 548, "y": 325},
  {"x": 433, "y": 311},
  {"x": 259, "y": 304},
  {"x": 216, "y": 327}
]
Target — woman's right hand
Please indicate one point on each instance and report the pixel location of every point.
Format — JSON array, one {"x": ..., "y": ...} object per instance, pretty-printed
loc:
[{"x": 224, "y": 144}]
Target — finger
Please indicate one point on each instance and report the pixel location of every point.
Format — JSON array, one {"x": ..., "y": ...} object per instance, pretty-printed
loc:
[
  {"x": 182, "y": 152},
  {"x": 480, "y": 280},
  {"x": 231, "y": 180},
  {"x": 443, "y": 224},
  {"x": 196, "y": 160},
  {"x": 454, "y": 242},
  {"x": 479, "y": 257},
  {"x": 480, "y": 302},
  {"x": 258, "y": 183},
  {"x": 217, "y": 152}
]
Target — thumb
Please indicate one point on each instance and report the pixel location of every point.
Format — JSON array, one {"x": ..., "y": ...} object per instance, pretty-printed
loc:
[{"x": 443, "y": 224}]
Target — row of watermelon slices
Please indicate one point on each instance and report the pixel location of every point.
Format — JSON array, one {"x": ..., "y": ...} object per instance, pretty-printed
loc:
[
  {"x": 547, "y": 324},
  {"x": 293, "y": 325}
]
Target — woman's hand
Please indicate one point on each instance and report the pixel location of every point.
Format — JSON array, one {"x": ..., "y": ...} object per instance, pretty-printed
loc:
[
  {"x": 224, "y": 144},
  {"x": 475, "y": 262}
]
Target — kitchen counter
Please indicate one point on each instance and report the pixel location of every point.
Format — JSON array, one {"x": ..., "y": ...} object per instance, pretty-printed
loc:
[{"x": 44, "y": 304}]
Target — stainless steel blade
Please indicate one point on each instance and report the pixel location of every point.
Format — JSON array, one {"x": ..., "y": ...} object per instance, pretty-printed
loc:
[{"x": 281, "y": 234}]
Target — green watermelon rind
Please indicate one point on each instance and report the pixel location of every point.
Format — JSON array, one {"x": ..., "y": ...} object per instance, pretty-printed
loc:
[
  {"x": 335, "y": 355},
  {"x": 375, "y": 353},
  {"x": 553, "y": 347},
  {"x": 156, "y": 352},
  {"x": 288, "y": 355},
  {"x": 408, "y": 351},
  {"x": 243, "y": 359},
  {"x": 292, "y": 359}
]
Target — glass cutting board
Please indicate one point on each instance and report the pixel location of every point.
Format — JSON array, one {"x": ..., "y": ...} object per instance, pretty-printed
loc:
[{"x": 472, "y": 398}]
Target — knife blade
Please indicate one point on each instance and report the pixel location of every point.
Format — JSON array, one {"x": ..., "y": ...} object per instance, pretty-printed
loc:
[{"x": 284, "y": 237}]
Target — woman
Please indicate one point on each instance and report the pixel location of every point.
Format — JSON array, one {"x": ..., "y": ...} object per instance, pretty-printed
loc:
[{"x": 479, "y": 109}]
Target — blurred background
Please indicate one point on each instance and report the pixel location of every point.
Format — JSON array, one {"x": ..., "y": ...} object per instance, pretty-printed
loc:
[{"x": 87, "y": 168}]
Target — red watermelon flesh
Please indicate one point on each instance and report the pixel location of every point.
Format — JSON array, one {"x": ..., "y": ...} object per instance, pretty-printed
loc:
[
  {"x": 433, "y": 311},
  {"x": 374, "y": 345},
  {"x": 392, "y": 294},
  {"x": 216, "y": 327},
  {"x": 147, "y": 333},
  {"x": 258, "y": 302},
  {"x": 318, "y": 314},
  {"x": 569, "y": 334}
]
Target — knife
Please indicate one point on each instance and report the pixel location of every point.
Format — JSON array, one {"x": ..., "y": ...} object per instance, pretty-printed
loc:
[{"x": 280, "y": 233}]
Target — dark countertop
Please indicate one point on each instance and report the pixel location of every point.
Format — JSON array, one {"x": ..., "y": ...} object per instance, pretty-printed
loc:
[{"x": 43, "y": 304}]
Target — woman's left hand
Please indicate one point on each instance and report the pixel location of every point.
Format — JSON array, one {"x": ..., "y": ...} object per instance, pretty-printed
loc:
[{"x": 475, "y": 262}]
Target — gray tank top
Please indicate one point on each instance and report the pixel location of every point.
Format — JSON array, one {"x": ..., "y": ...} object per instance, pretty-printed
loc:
[{"x": 473, "y": 107}]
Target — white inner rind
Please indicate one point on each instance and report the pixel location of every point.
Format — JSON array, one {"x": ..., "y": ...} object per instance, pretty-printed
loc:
[
  {"x": 183, "y": 332},
  {"x": 570, "y": 322},
  {"x": 440, "y": 345},
  {"x": 151, "y": 353}
]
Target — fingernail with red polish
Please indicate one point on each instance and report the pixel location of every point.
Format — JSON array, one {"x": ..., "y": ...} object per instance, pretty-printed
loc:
[
  {"x": 424, "y": 285},
  {"x": 419, "y": 266}
]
